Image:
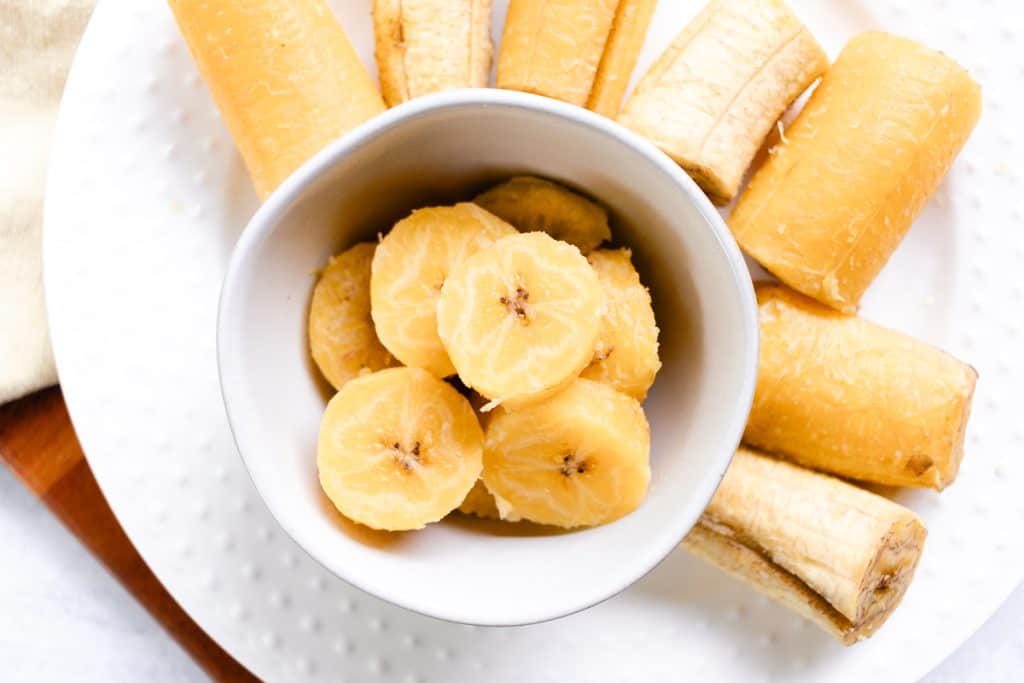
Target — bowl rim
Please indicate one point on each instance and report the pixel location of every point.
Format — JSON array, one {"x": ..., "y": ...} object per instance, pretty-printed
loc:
[{"x": 279, "y": 202}]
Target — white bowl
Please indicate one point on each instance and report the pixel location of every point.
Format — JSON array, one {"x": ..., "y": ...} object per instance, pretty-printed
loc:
[{"x": 440, "y": 149}]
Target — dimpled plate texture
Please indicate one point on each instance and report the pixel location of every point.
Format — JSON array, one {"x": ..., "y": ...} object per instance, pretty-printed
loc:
[{"x": 146, "y": 199}]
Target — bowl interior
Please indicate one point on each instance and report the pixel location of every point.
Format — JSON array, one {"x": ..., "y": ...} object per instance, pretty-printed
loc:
[{"x": 438, "y": 150}]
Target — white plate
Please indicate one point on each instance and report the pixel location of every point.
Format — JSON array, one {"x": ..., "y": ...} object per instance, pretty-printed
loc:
[{"x": 146, "y": 199}]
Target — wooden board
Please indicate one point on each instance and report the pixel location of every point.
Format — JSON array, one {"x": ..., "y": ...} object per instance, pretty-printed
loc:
[{"x": 38, "y": 443}]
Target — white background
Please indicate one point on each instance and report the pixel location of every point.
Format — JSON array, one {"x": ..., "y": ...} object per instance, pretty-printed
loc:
[{"x": 63, "y": 618}]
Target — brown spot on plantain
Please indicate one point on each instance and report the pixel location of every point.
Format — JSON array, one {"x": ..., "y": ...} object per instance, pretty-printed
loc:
[{"x": 919, "y": 464}]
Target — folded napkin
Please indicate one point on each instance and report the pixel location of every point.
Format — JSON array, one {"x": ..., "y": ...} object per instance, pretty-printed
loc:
[{"x": 37, "y": 41}]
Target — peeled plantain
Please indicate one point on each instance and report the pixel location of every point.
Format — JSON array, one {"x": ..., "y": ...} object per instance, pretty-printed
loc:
[
  {"x": 554, "y": 47},
  {"x": 426, "y": 46},
  {"x": 832, "y": 202},
  {"x": 712, "y": 97},
  {"x": 284, "y": 76},
  {"x": 837, "y": 555},
  {"x": 840, "y": 394},
  {"x": 626, "y": 39}
]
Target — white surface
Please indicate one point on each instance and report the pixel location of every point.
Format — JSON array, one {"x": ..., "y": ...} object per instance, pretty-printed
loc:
[
  {"x": 446, "y": 147},
  {"x": 66, "y": 619},
  {"x": 147, "y": 199}
]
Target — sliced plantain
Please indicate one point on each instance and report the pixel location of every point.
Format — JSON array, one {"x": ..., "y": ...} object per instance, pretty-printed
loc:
[
  {"x": 398, "y": 449},
  {"x": 579, "y": 458},
  {"x": 534, "y": 204},
  {"x": 410, "y": 266},
  {"x": 626, "y": 355},
  {"x": 480, "y": 503},
  {"x": 342, "y": 338},
  {"x": 520, "y": 319}
]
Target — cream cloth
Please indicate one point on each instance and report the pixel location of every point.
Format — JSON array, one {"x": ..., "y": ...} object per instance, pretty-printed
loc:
[{"x": 37, "y": 41}]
